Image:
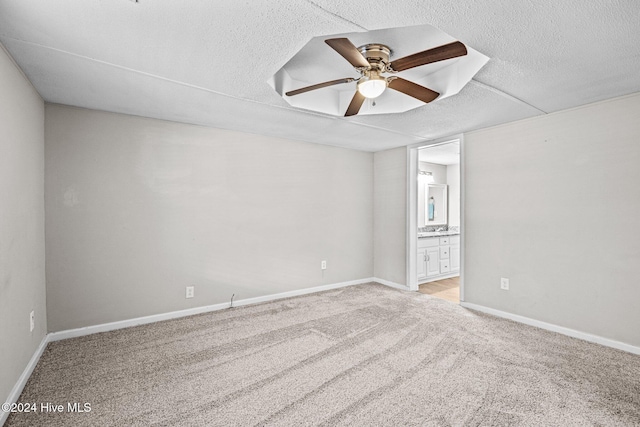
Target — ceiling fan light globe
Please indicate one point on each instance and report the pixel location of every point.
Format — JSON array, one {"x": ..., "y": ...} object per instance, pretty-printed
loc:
[{"x": 372, "y": 88}]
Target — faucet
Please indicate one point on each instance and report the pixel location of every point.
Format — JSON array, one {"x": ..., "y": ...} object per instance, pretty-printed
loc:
[{"x": 443, "y": 228}]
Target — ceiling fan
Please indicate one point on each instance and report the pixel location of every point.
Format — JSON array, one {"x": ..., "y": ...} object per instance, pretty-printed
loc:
[{"x": 372, "y": 61}]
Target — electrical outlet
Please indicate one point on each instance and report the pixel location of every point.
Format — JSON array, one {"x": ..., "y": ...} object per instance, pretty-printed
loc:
[
  {"x": 323, "y": 265},
  {"x": 32, "y": 321},
  {"x": 504, "y": 283},
  {"x": 190, "y": 292}
]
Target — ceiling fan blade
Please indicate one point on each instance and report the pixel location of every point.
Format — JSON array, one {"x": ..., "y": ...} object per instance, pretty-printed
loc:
[
  {"x": 356, "y": 103},
  {"x": 348, "y": 51},
  {"x": 412, "y": 89},
  {"x": 440, "y": 53},
  {"x": 319, "y": 86}
]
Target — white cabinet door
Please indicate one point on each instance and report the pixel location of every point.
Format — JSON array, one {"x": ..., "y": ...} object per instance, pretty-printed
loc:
[
  {"x": 422, "y": 263},
  {"x": 454, "y": 257},
  {"x": 433, "y": 261}
]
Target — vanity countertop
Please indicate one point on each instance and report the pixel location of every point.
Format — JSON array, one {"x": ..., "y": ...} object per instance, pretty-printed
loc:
[{"x": 423, "y": 235}]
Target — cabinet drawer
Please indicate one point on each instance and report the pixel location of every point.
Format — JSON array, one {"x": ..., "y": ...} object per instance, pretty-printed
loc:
[
  {"x": 444, "y": 252},
  {"x": 444, "y": 240},
  {"x": 444, "y": 266},
  {"x": 427, "y": 242}
]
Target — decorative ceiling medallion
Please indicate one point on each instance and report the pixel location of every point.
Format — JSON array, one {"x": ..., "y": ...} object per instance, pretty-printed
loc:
[{"x": 377, "y": 72}]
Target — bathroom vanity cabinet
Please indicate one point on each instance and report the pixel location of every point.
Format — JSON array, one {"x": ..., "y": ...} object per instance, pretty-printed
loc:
[{"x": 438, "y": 258}]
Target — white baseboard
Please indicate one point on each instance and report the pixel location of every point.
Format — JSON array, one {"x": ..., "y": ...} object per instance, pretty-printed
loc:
[
  {"x": 390, "y": 284},
  {"x": 14, "y": 395},
  {"x": 554, "y": 328},
  {"x": 300, "y": 292},
  {"x": 105, "y": 327}
]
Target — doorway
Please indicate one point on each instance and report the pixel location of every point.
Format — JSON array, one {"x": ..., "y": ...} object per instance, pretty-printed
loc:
[{"x": 435, "y": 219}]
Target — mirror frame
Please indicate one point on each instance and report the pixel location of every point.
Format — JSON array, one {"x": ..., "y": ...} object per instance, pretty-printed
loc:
[{"x": 443, "y": 212}]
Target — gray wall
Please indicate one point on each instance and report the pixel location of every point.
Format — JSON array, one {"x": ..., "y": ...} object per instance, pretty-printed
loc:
[
  {"x": 390, "y": 215},
  {"x": 439, "y": 171},
  {"x": 22, "y": 267},
  {"x": 137, "y": 209},
  {"x": 552, "y": 203}
]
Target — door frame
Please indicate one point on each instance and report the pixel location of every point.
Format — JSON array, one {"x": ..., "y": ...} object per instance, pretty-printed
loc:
[{"x": 412, "y": 209}]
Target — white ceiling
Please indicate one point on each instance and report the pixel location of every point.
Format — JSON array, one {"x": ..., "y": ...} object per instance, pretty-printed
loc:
[
  {"x": 208, "y": 62},
  {"x": 442, "y": 154}
]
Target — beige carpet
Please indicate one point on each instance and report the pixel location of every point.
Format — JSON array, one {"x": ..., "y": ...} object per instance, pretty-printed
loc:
[{"x": 359, "y": 356}]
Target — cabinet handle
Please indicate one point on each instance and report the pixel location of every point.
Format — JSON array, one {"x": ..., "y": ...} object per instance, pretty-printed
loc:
[
  {"x": 425, "y": 257},
  {"x": 428, "y": 258}
]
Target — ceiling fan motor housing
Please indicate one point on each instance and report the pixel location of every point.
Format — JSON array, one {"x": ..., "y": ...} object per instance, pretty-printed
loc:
[{"x": 376, "y": 54}]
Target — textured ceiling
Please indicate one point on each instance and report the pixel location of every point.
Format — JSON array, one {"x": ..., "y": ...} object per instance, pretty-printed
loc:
[{"x": 208, "y": 62}]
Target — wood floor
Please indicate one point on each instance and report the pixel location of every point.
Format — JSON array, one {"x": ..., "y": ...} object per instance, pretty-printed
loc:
[{"x": 448, "y": 289}]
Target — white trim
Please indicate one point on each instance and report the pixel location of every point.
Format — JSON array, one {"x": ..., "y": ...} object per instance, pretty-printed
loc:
[
  {"x": 412, "y": 219},
  {"x": 105, "y": 327},
  {"x": 298, "y": 292},
  {"x": 462, "y": 215},
  {"x": 412, "y": 209},
  {"x": 554, "y": 328},
  {"x": 390, "y": 284},
  {"x": 14, "y": 395}
]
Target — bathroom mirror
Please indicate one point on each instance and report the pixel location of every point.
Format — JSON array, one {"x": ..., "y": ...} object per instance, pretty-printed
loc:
[{"x": 436, "y": 204}]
